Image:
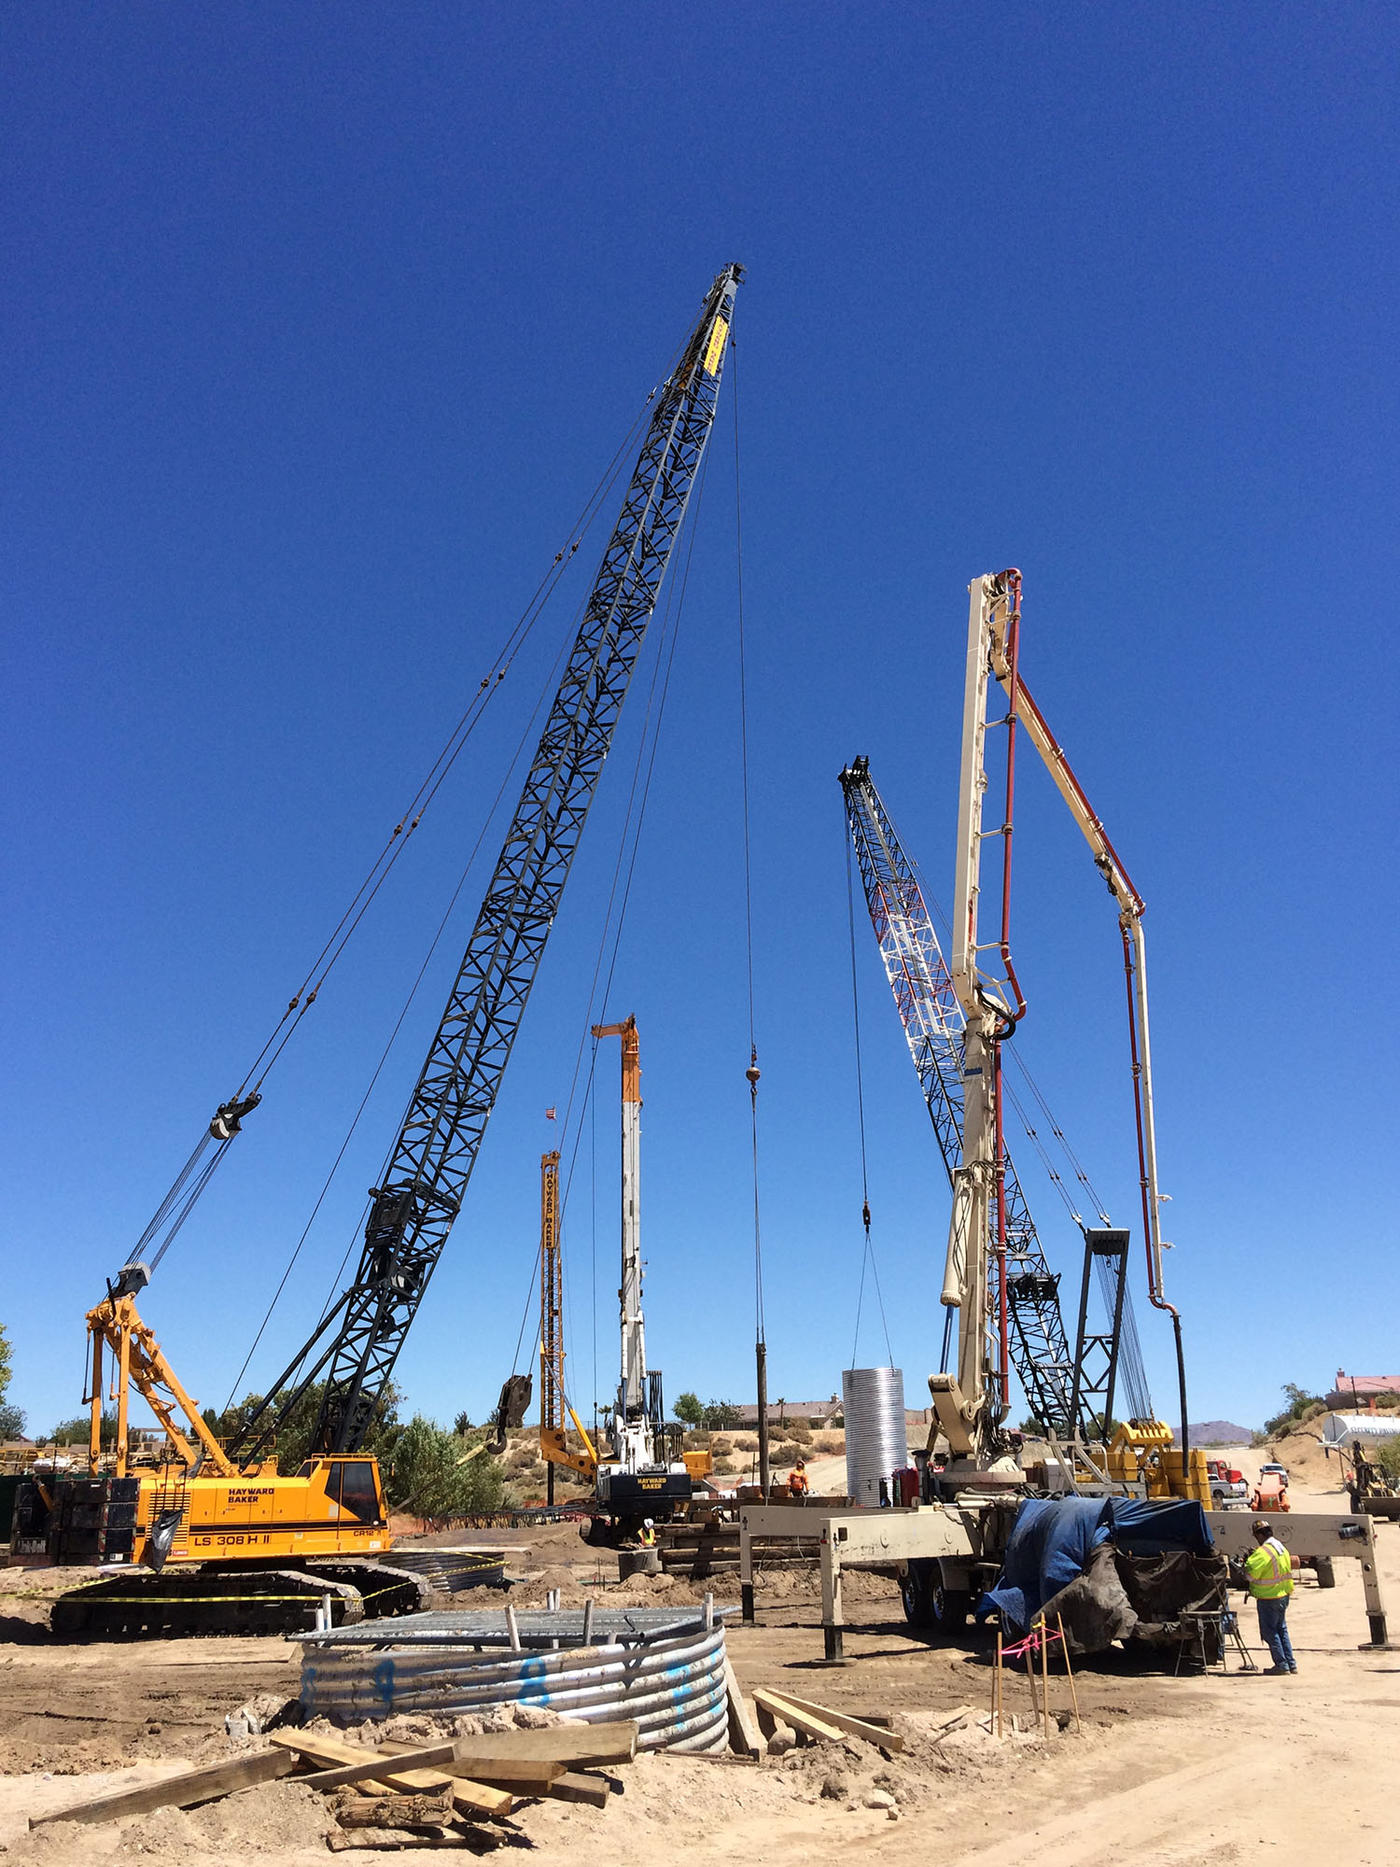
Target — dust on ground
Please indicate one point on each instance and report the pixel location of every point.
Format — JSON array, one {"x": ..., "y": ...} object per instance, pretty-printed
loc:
[{"x": 1166, "y": 1772}]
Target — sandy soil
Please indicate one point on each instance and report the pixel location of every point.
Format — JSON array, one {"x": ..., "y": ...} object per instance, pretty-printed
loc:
[{"x": 1166, "y": 1773}]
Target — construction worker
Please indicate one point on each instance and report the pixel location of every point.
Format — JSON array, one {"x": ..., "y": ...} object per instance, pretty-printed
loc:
[
  {"x": 646, "y": 1536},
  {"x": 1269, "y": 1570},
  {"x": 797, "y": 1480}
]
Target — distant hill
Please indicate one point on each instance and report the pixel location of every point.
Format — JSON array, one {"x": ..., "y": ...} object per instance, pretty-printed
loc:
[{"x": 1220, "y": 1433}]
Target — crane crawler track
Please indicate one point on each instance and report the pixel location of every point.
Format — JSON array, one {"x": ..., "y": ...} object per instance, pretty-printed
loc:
[{"x": 141, "y": 1605}]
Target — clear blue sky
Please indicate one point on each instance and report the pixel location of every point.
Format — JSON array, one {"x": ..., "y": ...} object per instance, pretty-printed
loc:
[{"x": 321, "y": 323}]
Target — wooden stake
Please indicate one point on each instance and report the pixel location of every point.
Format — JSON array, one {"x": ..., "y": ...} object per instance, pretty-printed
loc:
[
  {"x": 1045, "y": 1679},
  {"x": 996, "y": 1689},
  {"x": 1069, "y": 1675}
]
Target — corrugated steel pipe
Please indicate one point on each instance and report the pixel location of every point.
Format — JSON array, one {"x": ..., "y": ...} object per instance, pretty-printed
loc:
[{"x": 673, "y": 1686}]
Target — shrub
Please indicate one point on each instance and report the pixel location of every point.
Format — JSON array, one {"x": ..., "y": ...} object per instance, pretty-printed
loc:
[
  {"x": 1301, "y": 1406},
  {"x": 721, "y": 1446},
  {"x": 799, "y": 1430},
  {"x": 1387, "y": 1456}
]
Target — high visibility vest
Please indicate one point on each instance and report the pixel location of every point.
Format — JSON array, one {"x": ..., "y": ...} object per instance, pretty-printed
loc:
[
  {"x": 797, "y": 1482},
  {"x": 647, "y": 1538},
  {"x": 1270, "y": 1571}
]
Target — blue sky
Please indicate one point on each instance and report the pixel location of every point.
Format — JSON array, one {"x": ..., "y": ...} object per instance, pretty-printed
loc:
[{"x": 322, "y": 324}]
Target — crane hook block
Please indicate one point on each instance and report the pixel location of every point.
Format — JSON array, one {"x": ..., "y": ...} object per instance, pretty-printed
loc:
[{"x": 228, "y": 1117}]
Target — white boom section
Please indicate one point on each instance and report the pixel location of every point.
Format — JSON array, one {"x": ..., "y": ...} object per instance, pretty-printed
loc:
[
  {"x": 962, "y": 1401},
  {"x": 631, "y": 1432}
]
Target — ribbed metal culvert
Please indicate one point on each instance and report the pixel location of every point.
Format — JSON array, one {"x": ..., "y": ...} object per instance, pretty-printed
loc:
[{"x": 662, "y": 1667}]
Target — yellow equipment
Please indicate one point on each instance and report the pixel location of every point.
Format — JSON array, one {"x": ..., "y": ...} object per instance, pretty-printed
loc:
[
  {"x": 1144, "y": 1451},
  {"x": 554, "y": 1446},
  {"x": 205, "y": 1541}
]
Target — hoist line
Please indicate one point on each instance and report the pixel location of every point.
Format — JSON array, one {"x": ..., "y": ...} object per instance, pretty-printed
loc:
[
  {"x": 868, "y": 1252},
  {"x": 647, "y": 745},
  {"x": 760, "y": 1319},
  {"x": 447, "y": 757},
  {"x": 512, "y": 763},
  {"x": 302, "y": 1001}
]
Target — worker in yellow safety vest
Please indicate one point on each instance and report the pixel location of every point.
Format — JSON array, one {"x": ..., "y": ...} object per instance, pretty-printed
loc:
[
  {"x": 646, "y": 1536},
  {"x": 1269, "y": 1571}
]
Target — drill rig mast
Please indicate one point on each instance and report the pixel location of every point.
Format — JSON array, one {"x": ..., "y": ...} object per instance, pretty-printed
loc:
[{"x": 636, "y": 1472}]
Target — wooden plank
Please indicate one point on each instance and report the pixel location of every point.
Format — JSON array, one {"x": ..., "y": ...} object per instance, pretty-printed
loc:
[
  {"x": 558, "y": 1743},
  {"x": 472, "y": 1797},
  {"x": 406, "y": 1756},
  {"x": 539, "y": 1772},
  {"x": 743, "y": 1732},
  {"x": 849, "y": 1723},
  {"x": 807, "y": 1723},
  {"x": 179, "y": 1792},
  {"x": 576, "y": 1787},
  {"x": 398, "y": 1812},
  {"x": 343, "y": 1840}
]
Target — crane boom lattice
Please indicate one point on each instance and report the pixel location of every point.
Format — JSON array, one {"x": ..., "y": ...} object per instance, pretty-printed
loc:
[
  {"x": 933, "y": 1022},
  {"x": 437, "y": 1145}
]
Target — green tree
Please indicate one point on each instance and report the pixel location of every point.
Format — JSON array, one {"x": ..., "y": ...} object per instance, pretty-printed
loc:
[
  {"x": 1300, "y": 1404},
  {"x": 430, "y": 1475},
  {"x": 75, "y": 1432},
  {"x": 11, "y": 1417},
  {"x": 1386, "y": 1454},
  {"x": 688, "y": 1408},
  {"x": 294, "y": 1434},
  {"x": 719, "y": 1414},
  {"x": 462, "y": 1425}
]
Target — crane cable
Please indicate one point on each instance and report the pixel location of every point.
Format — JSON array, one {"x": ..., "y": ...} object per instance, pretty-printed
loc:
[
  {"x": 752, "y": 1073},
  {"x": 228, "y": 1118},
  {"x": 628, "y": 843},
  {"x": 867, "y": 1256}
]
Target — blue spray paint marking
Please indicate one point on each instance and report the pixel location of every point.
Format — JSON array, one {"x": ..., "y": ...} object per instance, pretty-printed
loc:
[
  {"x": 382, "y": 1679},
  {"x": 534, "y": 1681}
]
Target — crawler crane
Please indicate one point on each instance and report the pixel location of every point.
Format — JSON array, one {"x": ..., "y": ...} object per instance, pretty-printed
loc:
[{"x": 215, "y": 1538}]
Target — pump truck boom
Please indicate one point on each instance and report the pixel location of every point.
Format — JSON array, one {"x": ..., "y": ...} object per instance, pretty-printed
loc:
[
  {"x": 951, "y": 1543},
  {"x": 261, "y": 1518}
]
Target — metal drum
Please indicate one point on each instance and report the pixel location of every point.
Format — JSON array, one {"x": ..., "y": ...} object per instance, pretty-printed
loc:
[{"x": 876, "y": 1438}]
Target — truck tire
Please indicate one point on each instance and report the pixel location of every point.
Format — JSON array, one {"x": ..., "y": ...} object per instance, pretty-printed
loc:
[{"x": 929, "y": 1602}]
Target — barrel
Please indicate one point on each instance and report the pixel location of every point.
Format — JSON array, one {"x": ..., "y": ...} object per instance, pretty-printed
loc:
[{"x": 876, "y": 1438}]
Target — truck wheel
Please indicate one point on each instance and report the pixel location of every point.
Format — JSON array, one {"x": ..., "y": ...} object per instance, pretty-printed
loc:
[
  {"x": 914, "y": 1595},
  {"x": 948, "y": 1608}
]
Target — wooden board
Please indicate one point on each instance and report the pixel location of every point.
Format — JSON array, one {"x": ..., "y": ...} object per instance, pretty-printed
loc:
[
  {"x": 559, "y": 1743},
  {"x": 472, "y": 1797},
  {"x": 807, "y": 1723},
  {"x": 398, "y": 1812},
  {"x": 847, "y": 1722},
  {"x": 576, "y": 1787},
  {"x": 179, "y": 1792},
  {"x": 744, "y": 1735},
  {"x": 538, "y": 1772}
]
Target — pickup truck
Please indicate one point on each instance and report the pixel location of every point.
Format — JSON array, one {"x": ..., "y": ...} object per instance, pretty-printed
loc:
[{"x": 1227, "y": 1485}]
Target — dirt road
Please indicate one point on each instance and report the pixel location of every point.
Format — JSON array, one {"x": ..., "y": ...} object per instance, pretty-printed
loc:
[{"x": 1167, "y": 1773}]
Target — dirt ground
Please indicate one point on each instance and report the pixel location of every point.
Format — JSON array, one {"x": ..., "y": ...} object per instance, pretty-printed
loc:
[{"x": 1166, "y": 1773}]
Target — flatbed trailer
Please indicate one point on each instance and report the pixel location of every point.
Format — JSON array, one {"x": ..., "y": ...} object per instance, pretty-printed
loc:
[{"x": 965, "y": 1540}]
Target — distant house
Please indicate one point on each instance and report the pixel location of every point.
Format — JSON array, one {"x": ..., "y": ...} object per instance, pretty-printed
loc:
[
  {"x": 782, "y": 1412},
  {"x": 1354, "y": 1391}
]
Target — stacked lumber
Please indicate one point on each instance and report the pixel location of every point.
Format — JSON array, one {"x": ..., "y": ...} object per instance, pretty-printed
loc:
[{"x": 399, "y": 1795}]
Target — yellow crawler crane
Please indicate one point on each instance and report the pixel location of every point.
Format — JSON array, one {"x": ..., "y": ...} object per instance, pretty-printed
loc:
[{"x": 204, "y": 1545}]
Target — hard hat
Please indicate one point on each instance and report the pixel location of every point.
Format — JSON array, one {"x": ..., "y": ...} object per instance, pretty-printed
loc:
[
  {"x": 801, "y": 1464},
  {"x": 1262, "y": 1528},
  {"x": 647, "y": 1523}
]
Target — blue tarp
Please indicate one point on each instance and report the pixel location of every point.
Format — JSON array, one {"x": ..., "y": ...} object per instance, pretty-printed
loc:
[{"x": 1052, "y": 1540}]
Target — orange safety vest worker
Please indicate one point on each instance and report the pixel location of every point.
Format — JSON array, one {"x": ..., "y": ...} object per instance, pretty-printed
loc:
[
  {"x": 1269, "y": 1569},
  {"x": 797, "y": 1480}
]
